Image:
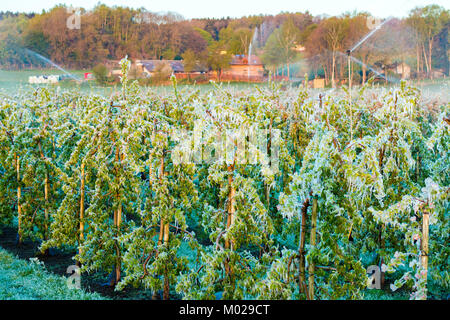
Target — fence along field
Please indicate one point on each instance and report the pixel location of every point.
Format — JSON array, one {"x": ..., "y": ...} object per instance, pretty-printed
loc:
[{"x": 110, "y": 178}]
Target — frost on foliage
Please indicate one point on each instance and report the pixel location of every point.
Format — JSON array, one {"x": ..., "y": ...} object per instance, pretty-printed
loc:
[
  {"x": 186, "y": 127},
  {"x": 440, "y": 132},
  {"x": 401, "y": 216}
]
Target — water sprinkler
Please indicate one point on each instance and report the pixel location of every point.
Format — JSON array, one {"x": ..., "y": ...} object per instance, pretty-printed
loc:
[{"x": 349, "y": 55}]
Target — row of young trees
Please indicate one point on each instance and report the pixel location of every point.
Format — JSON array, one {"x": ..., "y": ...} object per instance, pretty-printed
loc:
[
  {"x": 421, "y": 40},
  {"x": 175, "y": 194}
]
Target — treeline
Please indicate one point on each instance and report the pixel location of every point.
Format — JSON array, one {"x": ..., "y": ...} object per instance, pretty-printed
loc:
[{"x": 319, "y": 43}]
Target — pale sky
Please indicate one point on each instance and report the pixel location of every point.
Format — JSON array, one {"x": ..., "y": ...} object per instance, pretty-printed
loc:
[{"x": 238, "y": 8}]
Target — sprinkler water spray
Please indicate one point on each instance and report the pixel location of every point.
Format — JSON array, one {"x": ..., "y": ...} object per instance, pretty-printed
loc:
[{"x": 349, "y": 58}]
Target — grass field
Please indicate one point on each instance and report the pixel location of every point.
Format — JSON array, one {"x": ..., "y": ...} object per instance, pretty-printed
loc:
[{"x": 12, "y": 82}]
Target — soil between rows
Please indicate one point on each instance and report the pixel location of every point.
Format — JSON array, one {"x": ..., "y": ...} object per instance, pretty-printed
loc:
[{"x": 57, "y": 262}]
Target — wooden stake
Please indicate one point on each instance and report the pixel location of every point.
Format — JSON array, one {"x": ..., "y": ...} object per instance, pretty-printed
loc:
[
  {"x": 424, "y": 244},
  {"x": 312, "y": 243},
  {"x": 81, "y": 237},
  {"x": 231, "y": 204},
  {"x": 117, "y": 222},
  {"x": 161, "y": 232},
  {"x": 46, "y": 215},
  {"x": 301, "y": 251},
  {"x": 19, "y": 196},
  {"x": 46, "y": 188},
  {"x": 162, "y": 227},
  {"x": 164, "y": 234},
  {"x": 269, "y": 146}
]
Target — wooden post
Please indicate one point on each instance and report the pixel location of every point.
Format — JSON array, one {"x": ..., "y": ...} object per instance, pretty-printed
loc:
[
  {"x": 301, "y": 251},
  {"x": 46, "y": 187},
  {"x": 19, "y": 196},
  {"x": 424, "y": 244},
  {"x": 269, "y": 154},
  {"x": 162, "y": 223},
  {"x": 312, "y": 243},
  {"x": 231, "y": 205},
  {"x": 230, "y": 221},
  {"x": 166, "y": 291},
  {"x": 117, "y": 222},
  {"x": 164, "y": 234},
  {"x": 81, "y": 236}
]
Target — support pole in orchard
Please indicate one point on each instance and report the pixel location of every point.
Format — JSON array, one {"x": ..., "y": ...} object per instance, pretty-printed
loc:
[
  {"x": 162, "y": 223},
  {"x": 166, "y": 224},
  {"x": 117, "y": 223},
  {"x": 164, "y": 233},
  {"x": 269, "y": 146},
  {"x": 19, "y": 196},
  {"x": 313, "y": 244},
  {"x": 46, "y": 199},
  {"x": 231, "y": 205},
  {"x": 230, "y": 220},
  {"x": 81, "y": 236},
  {"x": 424, "y": 244},
  {"x": 166, "y": 292},
  {"x": 301, "y": 250}
]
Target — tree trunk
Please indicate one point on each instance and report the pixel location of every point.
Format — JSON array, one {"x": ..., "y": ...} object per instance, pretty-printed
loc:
[
  {"x": 333, "y": 66},
  {"x": 312, "y": 244},
  {"x": 364, "y": 76},
  {"x": 418, "y": 61},
  {"x": 426, "y": 59},
  {"x": 430, "y": 52}
]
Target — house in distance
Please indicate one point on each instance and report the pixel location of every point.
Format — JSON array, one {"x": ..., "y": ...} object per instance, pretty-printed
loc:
[
  {"x": 244, "y": 68},
  {"x": 148, "y": 67},
  {"x": 241, "y": 68}
]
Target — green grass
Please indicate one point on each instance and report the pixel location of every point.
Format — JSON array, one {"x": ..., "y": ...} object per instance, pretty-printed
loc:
[
  {"x": 28, "y": 280},
  {"x": 13, "y": 82}
]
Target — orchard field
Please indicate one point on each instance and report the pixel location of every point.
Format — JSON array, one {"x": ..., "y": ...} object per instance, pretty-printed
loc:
[{"x": 264, "y": 193}]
